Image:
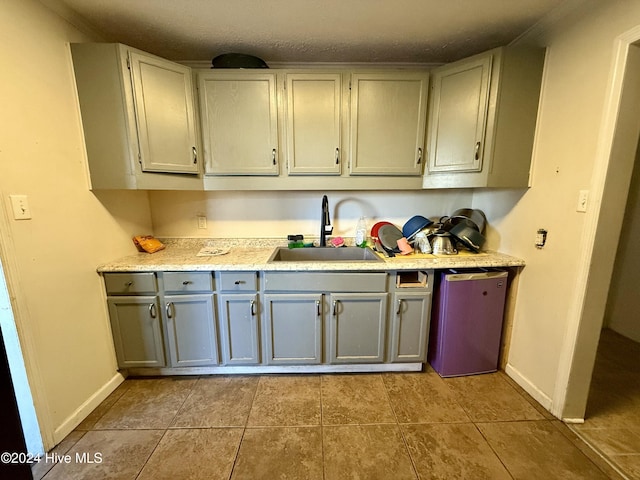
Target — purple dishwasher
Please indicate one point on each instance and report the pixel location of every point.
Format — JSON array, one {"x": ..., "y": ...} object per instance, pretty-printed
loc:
[{"x": 466, "y": 325}]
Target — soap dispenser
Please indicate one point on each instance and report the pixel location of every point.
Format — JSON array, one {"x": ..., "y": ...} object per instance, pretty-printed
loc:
[{"x": 361, "y": 232}]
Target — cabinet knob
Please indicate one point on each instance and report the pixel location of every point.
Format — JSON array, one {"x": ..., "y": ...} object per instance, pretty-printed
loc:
[
  {"x": 419, "y": 156},
  {"x": 399, "y": 310},
  {"x": 477, "y": 151},
  {"x": 128, "y": 284},
  {"x": 318, "y": 311},
  {"x": 335, "y": 308},
  {"x": 187, "y": 282},
  {"x": 253, "y": 307},
  {"x": 273, "y": 156},
  {"x": 195, "y": 155},
  {"x": 239, "y": 282},
  {"x": 337, "y": 156},
  {"x": 152, "y": 310},
  {"x": 168, "y": 309}
]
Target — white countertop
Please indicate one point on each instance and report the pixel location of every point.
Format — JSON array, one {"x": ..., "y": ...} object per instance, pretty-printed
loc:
[{"x": 253, "y": 255}]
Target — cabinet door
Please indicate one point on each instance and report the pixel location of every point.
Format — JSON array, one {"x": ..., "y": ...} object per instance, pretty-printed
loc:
[
  {"x": 388, "y": 117},
  {"x": 191, "y": 331},
  {"x": 410, "y": 326},
  {"x": 164, "y": 114},
  {"x": 239, "y": 329},
  {"x": 357, "y": 327},
  {"x": 458, "y": 115},
  {"x": 239, "y": 123},
  {"x": 293, "y": 328},
  {"x": 314, "y": 105},
  {"x": 137, "y": 336}
]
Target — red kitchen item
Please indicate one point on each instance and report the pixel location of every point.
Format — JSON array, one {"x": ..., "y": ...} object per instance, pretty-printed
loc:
[{"x": 376, "y": 227}]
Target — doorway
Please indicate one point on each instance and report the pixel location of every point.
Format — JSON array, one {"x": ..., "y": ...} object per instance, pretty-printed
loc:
[{"x": 26, "y": 409}]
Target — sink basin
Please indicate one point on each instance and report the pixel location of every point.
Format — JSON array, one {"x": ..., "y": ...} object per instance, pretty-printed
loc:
[{"x": 324, "y": 254}]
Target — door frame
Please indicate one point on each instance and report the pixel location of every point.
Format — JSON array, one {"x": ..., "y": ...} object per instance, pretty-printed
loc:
[{"x": 613, "y": 164}]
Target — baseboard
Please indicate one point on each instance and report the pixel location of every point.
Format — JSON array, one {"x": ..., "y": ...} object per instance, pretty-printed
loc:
[
  {"x": 73, "y": 420},
  {"x": 537, "y": 394},
  {"x": 573, "y": 421}
]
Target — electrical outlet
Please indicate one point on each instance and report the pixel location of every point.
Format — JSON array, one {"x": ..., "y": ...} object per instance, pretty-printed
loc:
[
  {"x": 583, "y": 199},
  {"x": 20, "y": 206},
  {"x": 202, "y": 222}
]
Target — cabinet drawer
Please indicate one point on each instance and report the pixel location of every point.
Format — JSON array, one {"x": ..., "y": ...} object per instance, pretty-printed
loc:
[
  {"x": 238, "y": 281},
  {"x": 129, "y": 283},
  {"x": 187, "y": 281}
]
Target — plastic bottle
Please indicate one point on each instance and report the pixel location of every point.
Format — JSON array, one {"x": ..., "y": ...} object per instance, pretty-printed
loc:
[{"x": 361, "y": 232}]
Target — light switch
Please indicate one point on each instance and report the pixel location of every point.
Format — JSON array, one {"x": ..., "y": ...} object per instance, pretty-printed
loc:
[
  {"x": 20, "y": 206},
  {"x": 583, "y": 199}
]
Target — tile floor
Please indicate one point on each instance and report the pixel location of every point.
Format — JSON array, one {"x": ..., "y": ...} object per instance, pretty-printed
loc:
[
  {"x": 612, "y": 420},
  {"x": 325, "y": 427}
]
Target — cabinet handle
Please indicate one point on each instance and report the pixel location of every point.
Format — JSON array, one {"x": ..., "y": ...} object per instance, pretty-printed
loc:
[
  {"x": 419, "y": 155},
  {"x": 195, "y": 155},
  {"x": 128, "y": 284},
  {"x": 253, "y": 307},
  {"x": 168, "y": 308},
  {"x": 337, "y": 156},
  {"x": 399, "y": 307},
  {"x": 477, "y": 151},
  {"x": 152, "y": 310},
  {"x": 335, "y": 308},
  {"x": 318, "y": 308},
  {"x": 187, "y": 282},
  {"x": 239, "y": 282},
  {"x": 273, "y": 156}
]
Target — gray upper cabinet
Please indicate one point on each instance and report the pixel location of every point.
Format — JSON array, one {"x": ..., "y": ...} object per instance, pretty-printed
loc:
[
  {"x": 138, "y": 118},
  {"x": 387, "y": 125},
  {"x": 313, "y": 123},
  {"x": 164, "y": 114},
  {"x": 458, "y": 112},
  {"x": 482, "y": 119},
  {"x": 239, "y": 120}
]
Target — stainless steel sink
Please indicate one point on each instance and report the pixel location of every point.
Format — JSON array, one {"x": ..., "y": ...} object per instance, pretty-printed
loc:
[{"x": 324, "y": 254}]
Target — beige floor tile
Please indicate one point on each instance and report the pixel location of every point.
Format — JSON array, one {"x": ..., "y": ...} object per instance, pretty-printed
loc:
[
  {"x": 490, "y": 398},
  {"x": 40, "y": 469},
  {"x": 218, "y": 401},
  {"x": 117, "y": 455},
  {"x": 452, "y": 451},
  {"x": 148, "y": 403},
  {"x": 537, "y": 450},
  {"x": 283, "y": 453},
  {"x": 89, "y": 422},
  {"x": 194, "y": 454},
  {"x": 630, "y": 465},
  {"x": 355, "y": 399},
  {"x": 539, "y": 408},
  {"x": 422, "y": 398},
  {"x": 365, "y": 452},
  {"x": 286, "y": 401},
  {"x": 613, "y": 441}
]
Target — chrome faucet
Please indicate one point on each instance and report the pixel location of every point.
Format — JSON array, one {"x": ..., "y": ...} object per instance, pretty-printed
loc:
[{"x": 325, "y": 222}]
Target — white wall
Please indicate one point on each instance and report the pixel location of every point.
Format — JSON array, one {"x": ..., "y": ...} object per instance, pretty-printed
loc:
[
  {"x": 624, "y": 302},
  {"x": 576, "y": 83},
  {"x": 276, "y": 214},
  {"x": 50, "y": 260}
]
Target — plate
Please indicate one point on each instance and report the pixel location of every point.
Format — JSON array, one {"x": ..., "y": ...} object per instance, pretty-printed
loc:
[{"x": 389, "y": 236}]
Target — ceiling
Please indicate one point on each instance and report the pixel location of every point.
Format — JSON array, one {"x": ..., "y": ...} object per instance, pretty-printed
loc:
[{"x": 300, "y": 31}]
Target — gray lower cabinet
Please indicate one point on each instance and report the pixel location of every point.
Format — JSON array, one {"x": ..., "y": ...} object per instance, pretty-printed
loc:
[
  {"x": 137, "y": 331},
  {"x": 189, "y": 319},
  {"x": 293, "y": 328},
  {"x": 239, "y": 329},
  {"x": 357, "y": 327},
  {"x": 191, "y": 331},
  {"x": 410, "y": 315}
]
